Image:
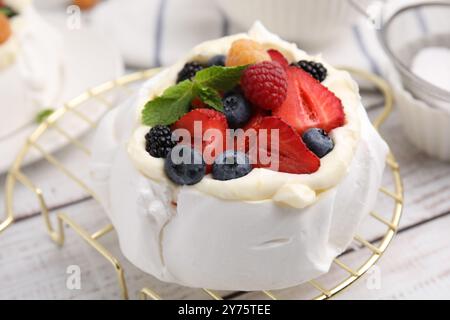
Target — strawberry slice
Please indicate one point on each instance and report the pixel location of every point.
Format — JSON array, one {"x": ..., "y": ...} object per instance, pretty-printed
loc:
[
  {"x": 287, "y": 154},
  {"x": 197, "y": 104},
  {"x": 277, "y": 56},
  {"x": 309, "y": 104},
  {"x": 197, "y": 122}
]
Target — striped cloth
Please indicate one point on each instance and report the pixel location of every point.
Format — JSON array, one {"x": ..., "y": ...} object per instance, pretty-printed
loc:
[{"x": 153, "y": 33}]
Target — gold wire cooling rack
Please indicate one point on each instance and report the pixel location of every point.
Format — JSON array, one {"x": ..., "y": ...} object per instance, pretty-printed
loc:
[{"x": 99, "y": 95}]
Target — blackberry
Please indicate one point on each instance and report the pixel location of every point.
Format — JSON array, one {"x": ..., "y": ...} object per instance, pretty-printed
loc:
[
  {"x": 159, "y": 141},
  {"x": 316, "y": 69},
  {"x": 189, "y": 70}
]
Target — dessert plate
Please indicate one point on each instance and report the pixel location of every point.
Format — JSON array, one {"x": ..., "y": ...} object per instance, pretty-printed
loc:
[{"x": 82, "y": 69}]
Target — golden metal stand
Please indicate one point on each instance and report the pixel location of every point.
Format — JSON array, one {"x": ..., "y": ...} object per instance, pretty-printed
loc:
[{"x": 98, "y": 94}]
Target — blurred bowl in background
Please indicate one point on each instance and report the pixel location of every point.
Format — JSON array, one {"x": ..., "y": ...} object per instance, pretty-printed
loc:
[
  {"x": 423, "y": 97},
  {"x": 311, "y": 23},
  {"x": 425, "y": 127}
]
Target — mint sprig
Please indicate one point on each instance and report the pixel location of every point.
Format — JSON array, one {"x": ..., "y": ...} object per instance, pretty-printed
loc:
[
  {"x": 43, "y": 115},
  {"x": 176, "y": 100},
  {"x": 169, "y": 107},
  {"x": 209, "y": 96},
  {"x": 7, "y": 11}
]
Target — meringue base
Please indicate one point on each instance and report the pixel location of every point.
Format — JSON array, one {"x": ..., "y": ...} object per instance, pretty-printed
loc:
[{"x": 184, "y": 236}]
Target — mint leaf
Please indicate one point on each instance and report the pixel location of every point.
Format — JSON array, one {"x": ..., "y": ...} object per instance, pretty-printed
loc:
[
  {"x": 209, "y": 96},
  {"x": 169, "y": 107},
  {"x": 7, "y": 11},
  {"x": 219, "y": 78},
  {"x": 176, "y": 100},
  {"x": 43, "y": 114}
]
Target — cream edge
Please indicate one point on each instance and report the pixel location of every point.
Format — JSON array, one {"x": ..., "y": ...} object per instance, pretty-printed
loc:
[{"x": 293, "y": 190}]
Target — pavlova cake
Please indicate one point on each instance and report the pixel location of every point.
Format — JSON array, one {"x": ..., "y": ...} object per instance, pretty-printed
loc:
[
  {"x": 30, "y": 64},
  {"x": 247, "y": 165}
]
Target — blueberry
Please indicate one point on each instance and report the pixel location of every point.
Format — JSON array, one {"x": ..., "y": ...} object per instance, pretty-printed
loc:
[
  {"x": 184, "y": 165},
  {"x": 231, "y": 165},
  {"x": 318, "y": 142},
  {"x": 237, "y": 110},
  {"x": 218, "y": 60}
]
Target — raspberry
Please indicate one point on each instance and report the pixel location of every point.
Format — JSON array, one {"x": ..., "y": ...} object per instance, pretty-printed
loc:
[
  {"x": 265, "y": 84},
  {"x": 245, "y": 51}
]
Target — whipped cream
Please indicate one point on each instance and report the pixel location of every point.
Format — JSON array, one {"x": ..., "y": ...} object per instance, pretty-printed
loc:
[{"x": 261, "y": 184}]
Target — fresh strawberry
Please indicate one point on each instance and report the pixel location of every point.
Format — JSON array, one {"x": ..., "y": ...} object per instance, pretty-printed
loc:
[
  {"x": 198, "y": 104},
  {"x": 242, "y": 142},
  {"x": 309, "y": 104},
  {"x": 213, "y": 143},
  {"x": 277, "y": 56},
  {"x": 288, "y": 153}
]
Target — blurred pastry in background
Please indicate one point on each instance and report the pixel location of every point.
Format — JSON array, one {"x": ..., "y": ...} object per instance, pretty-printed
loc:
[
  {"x": 85, "y": 4},
  {"x": 44, "y": 64},
  {"x": 63, "y": 4},
  {"x": 30, "y": 64}
]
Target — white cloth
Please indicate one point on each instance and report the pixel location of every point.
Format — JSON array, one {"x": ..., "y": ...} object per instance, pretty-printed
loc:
[
  {"x": 158, "y": 32},
  {"x": 152, "y": 33}
]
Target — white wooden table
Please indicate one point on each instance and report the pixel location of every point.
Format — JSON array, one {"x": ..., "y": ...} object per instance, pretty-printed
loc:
[{"x": 416, "y": 265}]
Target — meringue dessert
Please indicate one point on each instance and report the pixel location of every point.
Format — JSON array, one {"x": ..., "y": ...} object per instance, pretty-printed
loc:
[
  {"x": 30, "y": 64},
  {"x": 247, "y": 165}
]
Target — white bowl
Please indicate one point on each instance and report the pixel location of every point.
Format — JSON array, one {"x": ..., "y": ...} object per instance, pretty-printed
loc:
[
  {"x": 310, "y": 22},
  {"x": 426, "y": 127}
]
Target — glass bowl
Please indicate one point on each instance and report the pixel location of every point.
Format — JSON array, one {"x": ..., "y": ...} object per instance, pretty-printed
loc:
[{"x": 409, "y": 30}]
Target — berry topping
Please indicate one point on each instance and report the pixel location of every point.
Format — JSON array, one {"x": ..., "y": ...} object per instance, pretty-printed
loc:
[
  {"x": 197, "y": 122},
  {"x": 85, "y": 4},
  {"x": 265, "y": 84},
  {"x": 244, "y": 52},
  {"x": 277, "y": 56},
  {"x": 159, "y": 142},
  {"x": 288, "y": 154},
  {"x": 184, "y": 165},
  {"x": 189, "y": 71},
  {"x": 237, "y": 110},
  {"x": 218, "y": 60},
  {"x": 309, "y": 104},
  {"x": 231, "y": 165},
  {"x": 5, "y": 28},
  {"x": 316, "y": 69},
  {"x": 318, "y": 142}
]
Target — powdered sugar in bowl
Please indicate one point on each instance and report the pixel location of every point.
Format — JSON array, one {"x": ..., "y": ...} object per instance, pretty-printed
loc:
[{"x": 417, "y": 40}]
